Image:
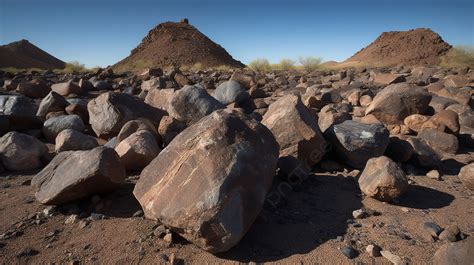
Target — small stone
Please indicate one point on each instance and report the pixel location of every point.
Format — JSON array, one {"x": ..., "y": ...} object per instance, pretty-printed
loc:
[
  {"x": 450, "y": 233},
  {"x": 392, "y": 257},
  {"x": 138, "y": 213},
  {"x": 373, "y": 250},
  {"x": 432, "y": 228},
  {"x": 434, "y": 174},
  {"x": 349, "y": 252},
  {"x": 49, "y": 211},
  {"x": 72, "y": 219},
  {"x": 168, "y": 238},
  {"x": 339, "y": 238},
  {"x": 83, "y": 223},
  {"x": 359, "y": 214},
  {"x": 96, "y": 216},
  {"x": 159, "y": 231}
]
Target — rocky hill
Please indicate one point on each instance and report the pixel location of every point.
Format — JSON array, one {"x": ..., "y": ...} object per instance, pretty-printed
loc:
[{"x": 23, "y": 54}]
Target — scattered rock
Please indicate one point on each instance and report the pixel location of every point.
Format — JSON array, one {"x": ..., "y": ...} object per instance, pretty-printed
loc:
[
  {"x": 53, "y": 126},
  {"x": 296, "y": 130},
  {"x": 349, "y": 252},
  {"x": 229, "y": 92},
  {"x": 138, "y": 150},
  {"x": 433, "y": 174},
  {"x": 110, "y": 111},
  {"x": 382, "y": 179},
  {"x": 73, "y": 175},
  {"x": 440, "y": 141},
  {"x": 51, "y": 103},
  {"x": 432, "y": 228},
  {"x": 355, "y": 142},
  {"x": 392, "y": 257},
  {"x": 395, "y": 102},
  {"x": 191, "y": 103},
  {"x": 71, "y": 140},
  {"x": 21, "y": 152},
  {"x": 373, "y": 250},
  {"x": 66, "y": 88},
  {"x": 466, "y": 175},
  {"x": 450, "y": 233},
  {"x": 208, "y": 174},
  {"x": 169, "y": 128},
  {"x": 134, "y": 126}
]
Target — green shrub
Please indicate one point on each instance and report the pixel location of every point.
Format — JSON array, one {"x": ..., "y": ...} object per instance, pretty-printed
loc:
[
  {"x": 310, "y": 63},
  {"x": 459, "y": 56},
  {"x": 74, "y": 66},
  {"x": 260, "y": 65},
  {"x": 286, "y": 64}
]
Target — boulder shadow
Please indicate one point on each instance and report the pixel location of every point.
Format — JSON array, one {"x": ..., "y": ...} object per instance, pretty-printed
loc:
[
  {"x": 419, "y": 197},
  {"x": 124, "y": 199},
  {"x": 298, "y": 218}
]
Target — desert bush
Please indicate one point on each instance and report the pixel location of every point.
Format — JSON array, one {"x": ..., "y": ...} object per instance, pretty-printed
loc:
[
  {"x": 74, "y": 66},
  {"x": 260, "y": 65},
  {"x": 459, "y": 56},
  {"x": 310, "y": 63},
  {"x": 286, "y": 64}
]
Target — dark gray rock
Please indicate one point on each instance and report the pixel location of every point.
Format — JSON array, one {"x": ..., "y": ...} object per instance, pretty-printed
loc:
[
  {"x": 71, "y": 140},
  {"x": 229, "y": 92},
  {"x": 191, "y": 103},
  {"x": 21, "y": 152},
  {"x": 357, "y": 142},
  {"x": 53, "y": 126},
  {"x": 53, "y": 102}
]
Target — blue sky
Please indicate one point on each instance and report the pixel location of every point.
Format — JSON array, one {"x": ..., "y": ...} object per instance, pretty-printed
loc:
[{"x": 102, "y": 32}]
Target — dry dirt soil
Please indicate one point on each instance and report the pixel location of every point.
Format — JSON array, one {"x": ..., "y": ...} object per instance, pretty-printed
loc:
[{"x": 307, "y": 222}]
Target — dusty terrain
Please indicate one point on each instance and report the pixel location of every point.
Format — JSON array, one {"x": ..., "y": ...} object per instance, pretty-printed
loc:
[{"x": 303, "y": 228}]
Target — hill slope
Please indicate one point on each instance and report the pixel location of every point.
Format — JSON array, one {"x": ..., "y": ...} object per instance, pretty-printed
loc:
[
  {"x": 413, "y": 47},
  {"x": 176, "y": 44},
  {"x": 23, "y": 54}
]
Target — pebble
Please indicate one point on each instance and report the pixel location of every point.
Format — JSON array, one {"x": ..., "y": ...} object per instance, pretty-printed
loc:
[
  {"x": 159, "y": 231},
  {"x": 373, "y": 250},
  {"x": 349, "y": 252},
  {"x": 339, "y": 238},
  {"x": 392, "y": 257},
  {"x": 83, "y": 223},
  {"x": 168, "y": 238},
  {"x": 450, "y": 233},
  {"x": 138, "y": 213},
  {"x": 359, "y": 214},
  {"x": 49, "y": 211},
  {"x": 96, "y": 216},
  {"x": 434, "y": 174},
  {"x": 72, "y": 219},
  {"x": 432, "y": 228}
]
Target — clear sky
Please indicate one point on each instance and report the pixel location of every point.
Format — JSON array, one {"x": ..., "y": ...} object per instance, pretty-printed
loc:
[{"x": 102, "y": 32}]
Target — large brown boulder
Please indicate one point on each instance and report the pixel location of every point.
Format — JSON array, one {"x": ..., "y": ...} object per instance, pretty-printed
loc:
[
  {"x": 209, "y": 184},
  {"x": 73, "y": 175},
  {"x": 110, "y": 111},
  {"x": 66, "y": 88},
  {"x": 397, "y": 101},
  {"x": 35, "y": 88},
  {"x": 383, "y": 179},
  {"x": 296, "y": 130}
]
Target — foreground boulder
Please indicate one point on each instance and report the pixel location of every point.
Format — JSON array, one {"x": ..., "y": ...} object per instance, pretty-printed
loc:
[
  {"x": 191, "y": 103},
  {"x": 466, "y": 175},
  {"x": 397, "y": 101},
  {"x": 110, "y": 111},
  {"x": 296, "y": 130},
  {"x": 356, "y": 142},
  {"x": 138, "y": 150},
  {"x": 70, "y": 140},
  {"x": 229, "y": 92},
  {"x": 73, "y": 175},
  {"x": 456, "y": 253},
  {"x": 21, "y": 152},
  {"x": 383, "y": 179},
  {"x": 209, "y": 184}
]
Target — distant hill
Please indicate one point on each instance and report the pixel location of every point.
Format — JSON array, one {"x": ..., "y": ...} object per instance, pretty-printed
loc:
[
  {"x": 176, "y": 44},
  {"x": 23, "y": 54},
  {"x": 413, "y": 47}
]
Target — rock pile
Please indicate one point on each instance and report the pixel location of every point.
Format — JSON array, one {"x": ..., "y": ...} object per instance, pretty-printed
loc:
[{"x": 208, "y": 144}]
